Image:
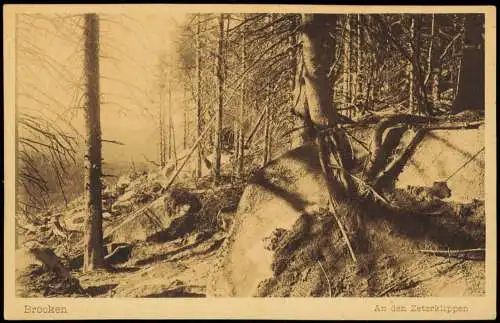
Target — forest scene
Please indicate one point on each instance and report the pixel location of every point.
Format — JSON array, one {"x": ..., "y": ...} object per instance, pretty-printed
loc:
[{"x": 250, "y": 155}]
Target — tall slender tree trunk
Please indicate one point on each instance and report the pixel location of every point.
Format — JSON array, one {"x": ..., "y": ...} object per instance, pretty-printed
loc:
[
  {"x": 352, "y": 66},
  {"x": 359, "y": 83},
  {"x": 458, "y": 27},
  {"x": 170, "y": 150},
  {"x": 94, "y": 251},
  {"x": 433, "y": 70},
  {"x": 267, "y": 115},
  {"x": 347, "y": 61},
  {"x": 423, "y": 106},
  {"x": 220, "y": 102},
  {"x": 409, "y": 67},
  {"x": 241, "y": 138},
  {"x": 171, "y": 124},
  {"x": 162, "y": 130},
  {"x": 198, "y": 96},
  {"x": 267, "y": 121},
  {"x": 470, "y": 94},
  {"x": 185, "y": 120}
]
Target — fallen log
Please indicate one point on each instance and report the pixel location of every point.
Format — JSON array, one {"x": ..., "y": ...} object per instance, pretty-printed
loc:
[{"x": 50, "y": 260}]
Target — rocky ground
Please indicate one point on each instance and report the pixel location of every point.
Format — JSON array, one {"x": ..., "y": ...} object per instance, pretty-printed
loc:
[
  {"x": 272, "y": 236},
  {"x": 166, "y": 251}
]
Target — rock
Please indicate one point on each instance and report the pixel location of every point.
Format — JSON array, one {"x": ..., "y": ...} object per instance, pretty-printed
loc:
[
  {"x": 293, "y": 185},
  {"x": 119, "y": 254},
  {"x": 440, "y": 154},
  {"x": 168, "y": 170},
  {"x": 76, "y": 262},
  {"x": 275, "y": 198},
  {"x": 124, "y": 203},
  {"x": 170, "y": 215},
  {"x": 122, "y": 183}
]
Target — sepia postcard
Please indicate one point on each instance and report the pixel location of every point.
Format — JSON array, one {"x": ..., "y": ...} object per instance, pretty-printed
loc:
[{"x": 249, "y": 162}]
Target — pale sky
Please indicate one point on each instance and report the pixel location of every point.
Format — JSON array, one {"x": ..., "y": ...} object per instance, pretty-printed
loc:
[{"x": 130, "y": 49}]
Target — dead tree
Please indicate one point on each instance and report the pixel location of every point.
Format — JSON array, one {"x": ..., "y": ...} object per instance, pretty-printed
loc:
[
  {"x": 219, "y": 79},
  {"x": 267, "y": 126},
  {"x": 433, "y": 69},
  {"x": 411, "y": 85},
  {"x": 162, "y": 130},
  {"x": 347, "y": 61},
  {"x": 199, "y": 115},
  {"x": 240, "y": 136},
  {"x": 94, "y": 251}
]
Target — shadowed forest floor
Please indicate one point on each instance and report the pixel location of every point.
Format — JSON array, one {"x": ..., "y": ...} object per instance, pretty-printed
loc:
[{"x": 152, "y": 251}]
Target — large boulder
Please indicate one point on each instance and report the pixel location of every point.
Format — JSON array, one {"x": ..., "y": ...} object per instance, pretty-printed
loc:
[
  {"x": 172, "y": 213},
  {"x": 293, "y": 185},
  {"x": 279, "y": 194},
  {"x": 442, "y": 153}
]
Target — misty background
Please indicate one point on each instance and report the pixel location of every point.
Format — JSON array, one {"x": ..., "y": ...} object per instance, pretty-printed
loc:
[{"x": 50, "y": 81}]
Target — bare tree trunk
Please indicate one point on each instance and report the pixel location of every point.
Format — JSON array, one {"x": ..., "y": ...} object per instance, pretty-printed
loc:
[
  {"x": 241, "y": 138},
  {"x": 198, "y": 96},
  {"x": 162, "y": 130},
  {"x": 352, "y": 66},
  {"x": 219, "y": 94},
  {"x": 358, "y": 82},
  {"x": 409, "y": 66},
  {"x": 471, "y": 88},
  {"x": 171, "y": 124},
  {"x": 186, "y": 123},
  {"x": 347, "y": 51},
  {"x": 267, "y": 114},
  {"x": 433, "y": 70},
  {"x": 459, "y": 25},
  {"x": 94, "y": 251},
  {"x": 267, "y": 117},
  {"x": 421, "y": 95}
]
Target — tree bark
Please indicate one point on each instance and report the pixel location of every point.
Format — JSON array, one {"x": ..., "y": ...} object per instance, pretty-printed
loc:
[
  {"x": 433, "y": 70},
  {"x": 241, "y": 138},
  {"x": 94, "y": 251},
  {"x": 317, "y": 46},
  {"x": 186, "y": 123},
  {"x": 458, "y": 27},
  {"x": 347, "y": 60},
  {"x": 411, "y": 85},
  {"x": 162, "y": 130},
  {"x": 171, "y": 124},
  {"x": 470, "y": 94},
  {"x": 267, "y": 122},
  {"x": 219, "y": 105},
  {"x": 198, "y": 96},
  {"x": 421, "y": 95},
  {"x": 358, "y": 82}
]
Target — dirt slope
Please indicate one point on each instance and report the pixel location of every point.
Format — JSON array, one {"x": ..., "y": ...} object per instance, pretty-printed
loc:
[{"x": 281, "y": 236}]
